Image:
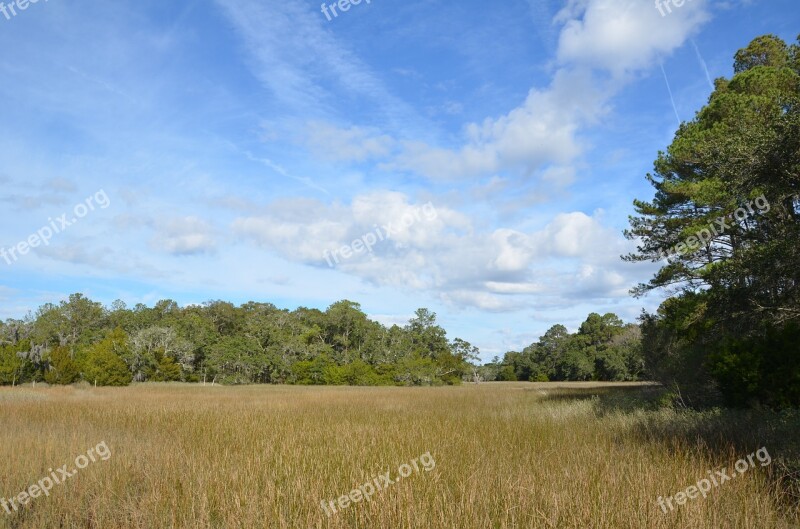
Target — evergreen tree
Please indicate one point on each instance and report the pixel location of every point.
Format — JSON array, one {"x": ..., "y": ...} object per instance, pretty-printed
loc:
[{"x": 63, "y": 370}]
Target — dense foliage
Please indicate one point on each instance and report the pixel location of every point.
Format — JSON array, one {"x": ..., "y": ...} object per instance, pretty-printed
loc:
[
  {"x": 604, "y": 348},
  {"x": 221, "y": 343},
  {"x": 730, "y": 331}
]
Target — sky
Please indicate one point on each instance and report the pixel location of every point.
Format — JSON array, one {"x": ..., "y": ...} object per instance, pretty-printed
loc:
[{"x": 477, "y": 159}]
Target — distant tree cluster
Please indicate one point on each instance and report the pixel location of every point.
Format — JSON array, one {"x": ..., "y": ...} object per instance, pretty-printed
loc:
[
  {"x": 604, "y": 348},
  {"x": 731, "y": 332},
  {"x": 218, "y": 342}
]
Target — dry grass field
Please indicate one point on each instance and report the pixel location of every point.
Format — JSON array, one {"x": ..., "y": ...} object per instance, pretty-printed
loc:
[{"x": 507, "y": 455}]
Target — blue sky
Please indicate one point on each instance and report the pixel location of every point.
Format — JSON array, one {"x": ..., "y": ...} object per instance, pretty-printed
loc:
[{"x": 237, "y": 142}]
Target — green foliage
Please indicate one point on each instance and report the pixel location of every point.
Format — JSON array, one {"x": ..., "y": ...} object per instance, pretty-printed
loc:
[
  {"x": 237, "y": 360},
  {"x": 218, "y": 341},
  {"x": 427, "y": 339},
  {"x": 741, "y": 150},
  {"x": 675, "y": 343},
  {"x": 416, "y": 370},
  {"x": 63, "y": 369},
  {"x": 33, "y": 364},
  {"x": 317, "y": 372},
  {"x": 743, "y": 145},
  {"x": 603, "y": 349},
  {"x": 576, "y": 365},
  {"x": 762, "y": 369},
  {"x": 165, "y": 369},
  {"x": 11, "y": 365},
  {"x": 103, "y": 366},
  {"x": 539, "y": 377},
  {"x": 767, "y": 50},
  {"x": 359, "y": 373},
  {"x": 77, "y": 321},
  {"x": 154, "y": 349},
  {"x": 507, "y": 373}
]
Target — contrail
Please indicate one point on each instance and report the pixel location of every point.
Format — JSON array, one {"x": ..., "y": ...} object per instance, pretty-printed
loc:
[
  {"x": 703, "y": 64},
  {"x": 283, "y": 172},
  {"x": 277, "y": 168},
  {"x": 669, "y": 89}
]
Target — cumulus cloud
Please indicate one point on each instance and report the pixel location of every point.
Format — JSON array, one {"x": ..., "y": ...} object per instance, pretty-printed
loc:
[
  {"x": 579, "y": 235},
  {"x": 624, "y": 36},
  {"x": 290, "y": 230},
  {"x": 491, "y": 269},
  {"x": 541, "y": 133}
]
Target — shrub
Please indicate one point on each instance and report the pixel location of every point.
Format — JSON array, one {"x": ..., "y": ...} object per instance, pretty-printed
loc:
[
  {"x": 104, "y": 368},
  {"x": 63, "y": 369},
  {"x": 764, "y": 369}
]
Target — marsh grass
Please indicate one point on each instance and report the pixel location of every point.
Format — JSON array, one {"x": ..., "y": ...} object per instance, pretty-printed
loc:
[{"x": 507, "y": 455}]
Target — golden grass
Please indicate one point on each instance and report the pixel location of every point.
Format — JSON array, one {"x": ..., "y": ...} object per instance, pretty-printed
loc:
[{"x": 507, "y": 455}]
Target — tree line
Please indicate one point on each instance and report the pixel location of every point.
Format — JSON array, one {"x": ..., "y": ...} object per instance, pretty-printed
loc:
[
  {"x": 604, "y": 348},
  {"x": 217, "y": 342}
]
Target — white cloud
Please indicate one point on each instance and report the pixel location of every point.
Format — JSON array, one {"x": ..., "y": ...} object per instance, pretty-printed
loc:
[
  {"x": 184, "y": 236},
  {"x": 542, "y": 136},
  {"x": 288, "y": 229},
  {"x": 577, "y": 235},
  {"x": 492, "y": 269},
  {"x": 514, "y": 288},
  {"x": 541, "y": 132},
  {"x": 624, "y": 36}
]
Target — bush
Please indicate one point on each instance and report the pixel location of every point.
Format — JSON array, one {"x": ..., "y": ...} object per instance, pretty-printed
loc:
[
  {"x": 10, "y": 366},
  {"x": 506, "y": 374},
  {"x": 104, "y": 368},
  {"x": 676, "y": 342},
  {"x": 166, "y": 369},
  {"x": 63, "y": 369},
  {"x": 359, "y": 373},
  {"x": 761, "y": 370},
  {"x": 319, "y": 371}
]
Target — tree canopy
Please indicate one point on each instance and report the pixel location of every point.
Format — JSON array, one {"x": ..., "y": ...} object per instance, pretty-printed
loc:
[
  {"x": 604, "y": 348},
  {"x": 724, "y": 224},
  {"x": 219, "y": 342}
]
